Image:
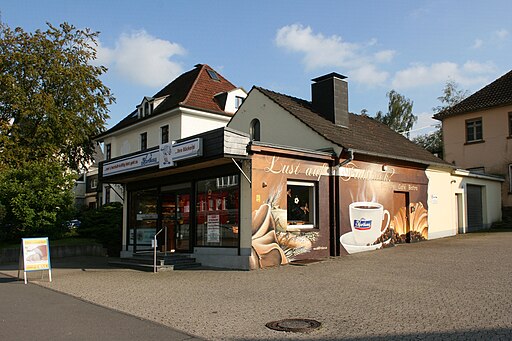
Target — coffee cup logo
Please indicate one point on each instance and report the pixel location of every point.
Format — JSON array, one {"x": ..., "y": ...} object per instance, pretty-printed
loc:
[{"x": 366, "y": 220}]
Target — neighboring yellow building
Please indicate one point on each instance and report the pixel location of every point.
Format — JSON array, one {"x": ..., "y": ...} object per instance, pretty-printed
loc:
[{"x": 477, "y": 134}]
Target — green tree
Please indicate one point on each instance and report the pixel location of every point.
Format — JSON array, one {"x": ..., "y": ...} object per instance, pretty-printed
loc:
[
  {"x": 36, "y": 198},
  {"x": 399, "y": 116},
  {"x": 52, "y": 102},
  {"x": 452, "y": 95}
]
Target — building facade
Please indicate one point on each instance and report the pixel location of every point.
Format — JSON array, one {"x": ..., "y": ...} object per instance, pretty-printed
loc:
[
  {"x": 288, "y": 180},
  {"x": 477, "y": 133}
]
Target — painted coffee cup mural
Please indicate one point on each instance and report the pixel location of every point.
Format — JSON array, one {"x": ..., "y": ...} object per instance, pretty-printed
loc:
[
  {"x": 366, "y": 221},
  {"x": 287, "y": 224},
  {"x": 382, "y": 206}
]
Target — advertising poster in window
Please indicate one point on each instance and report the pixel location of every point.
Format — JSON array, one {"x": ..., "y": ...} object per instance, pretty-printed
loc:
[
  {"x": 288, "y": 224},
  {"x": 381, "y": 205},
  {"x": 213, "y": 228}
]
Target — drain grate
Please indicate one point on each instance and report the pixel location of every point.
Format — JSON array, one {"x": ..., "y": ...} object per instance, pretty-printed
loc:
[{"x": 294, "y": 325}]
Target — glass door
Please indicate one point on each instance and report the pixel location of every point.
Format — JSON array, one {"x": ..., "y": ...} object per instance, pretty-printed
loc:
[
  {"x": 183, "y": 222},
  {"x": 175, "y": 222}
]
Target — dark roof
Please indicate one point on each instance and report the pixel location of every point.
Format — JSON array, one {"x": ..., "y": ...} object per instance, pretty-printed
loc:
[
  {"x": 193, "y": 89},
  {"x": 365, "y": 135},
  {"x": 495, "y": 94}
]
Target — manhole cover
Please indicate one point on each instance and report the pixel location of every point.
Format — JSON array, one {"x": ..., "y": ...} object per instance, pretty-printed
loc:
[{"x": 294, "y": 325}]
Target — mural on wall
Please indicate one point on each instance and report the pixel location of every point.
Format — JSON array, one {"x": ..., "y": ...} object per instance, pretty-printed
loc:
[
  {"x": 284, "y": 219},
  {"x": 381, "y": 206}
]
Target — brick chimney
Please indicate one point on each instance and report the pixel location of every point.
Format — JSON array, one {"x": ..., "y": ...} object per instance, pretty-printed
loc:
[{"x": 329, "y": 96}]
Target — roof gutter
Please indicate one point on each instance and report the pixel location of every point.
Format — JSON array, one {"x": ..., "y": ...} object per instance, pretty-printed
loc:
[{"x": 350, "y": 157}]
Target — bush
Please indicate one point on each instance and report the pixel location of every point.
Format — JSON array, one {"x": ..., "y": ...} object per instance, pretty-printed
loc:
[
  {"x": 35, "y": 199},
  {"x": 104, "y": 225}
]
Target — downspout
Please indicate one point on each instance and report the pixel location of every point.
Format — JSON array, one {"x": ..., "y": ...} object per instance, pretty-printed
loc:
[{"x": 338, "y": 202}]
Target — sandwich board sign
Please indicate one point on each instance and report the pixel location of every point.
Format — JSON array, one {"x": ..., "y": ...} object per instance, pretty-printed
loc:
[{"x": 35, "y": 255}]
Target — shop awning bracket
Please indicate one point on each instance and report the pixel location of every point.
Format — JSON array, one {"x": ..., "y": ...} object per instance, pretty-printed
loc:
[{"x": 243, "y": 173}]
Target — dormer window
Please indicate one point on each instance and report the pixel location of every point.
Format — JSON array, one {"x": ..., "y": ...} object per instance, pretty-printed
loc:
[
  {"x": 238, "y": 101},
  {"x": 146, "y": 107}
]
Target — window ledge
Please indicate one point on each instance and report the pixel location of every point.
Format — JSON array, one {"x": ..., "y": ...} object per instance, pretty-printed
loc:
[
  {"x": 474, "y": 142},
  {"x": 295, "y": 228}
]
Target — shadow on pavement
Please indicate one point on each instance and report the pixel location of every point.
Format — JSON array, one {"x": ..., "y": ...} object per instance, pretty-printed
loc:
[{"x": 472, "y": 334}]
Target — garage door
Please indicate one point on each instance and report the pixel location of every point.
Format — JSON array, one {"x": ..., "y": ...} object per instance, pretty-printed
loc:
[{"x": 475, "y": 216}]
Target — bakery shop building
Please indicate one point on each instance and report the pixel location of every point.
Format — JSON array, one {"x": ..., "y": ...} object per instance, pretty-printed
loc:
[{"x": 287, "y": 180}]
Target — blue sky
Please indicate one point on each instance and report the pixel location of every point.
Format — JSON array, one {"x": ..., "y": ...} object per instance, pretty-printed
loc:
[{"x": 413, "y": 47}]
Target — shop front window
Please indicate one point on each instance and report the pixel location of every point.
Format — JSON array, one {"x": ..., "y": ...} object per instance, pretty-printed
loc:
[
  {"x": 218, "y": 212},
  {"x": 301, "y": 204},
  {"x": 143, "y": 218}
]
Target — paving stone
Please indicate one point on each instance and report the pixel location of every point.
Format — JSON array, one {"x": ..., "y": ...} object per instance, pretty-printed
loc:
[{"x": 456, "y": 288}]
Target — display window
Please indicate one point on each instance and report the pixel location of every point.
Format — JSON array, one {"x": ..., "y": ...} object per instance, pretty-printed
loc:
[
  {"x": 143, "y": 218},
  {"x": 301, "y": 204},
  {"x": 217, "y": 212}
]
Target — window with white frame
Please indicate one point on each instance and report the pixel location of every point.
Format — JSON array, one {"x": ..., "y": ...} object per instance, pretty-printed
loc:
[
  {"x": 474, "y": 130},
  {"x": 301, "y": 203}
]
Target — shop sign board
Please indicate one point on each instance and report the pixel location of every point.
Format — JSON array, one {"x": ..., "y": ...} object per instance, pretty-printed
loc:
[
  {"x": 132, "y": 163},
  {"x": 187, "y": 149},
  {"x": 35, "y": 256},
  {"x": 166, "y": 155}
]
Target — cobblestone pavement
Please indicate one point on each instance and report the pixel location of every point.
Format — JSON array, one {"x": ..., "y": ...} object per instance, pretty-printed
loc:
[{"x": 456, "y": 288}]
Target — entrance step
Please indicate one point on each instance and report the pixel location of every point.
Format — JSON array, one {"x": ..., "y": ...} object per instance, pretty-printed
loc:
[{"x": 164, "y": 262}]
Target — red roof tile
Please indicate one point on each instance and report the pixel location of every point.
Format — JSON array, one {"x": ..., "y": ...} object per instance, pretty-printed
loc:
[{"x": 193, "y": 89}]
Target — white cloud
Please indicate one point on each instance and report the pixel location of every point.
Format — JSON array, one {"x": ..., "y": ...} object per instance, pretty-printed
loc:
[
  {"x": 501, "y": 34},
  {"x": 368, "y": 74},
  {"x": 142, "y": 58},
  {"x": 320, "y": 51},
  {"x": 385, "y": 56},
  {"x": 478, "y": 43},
  {"x": 420, "y": 75}
]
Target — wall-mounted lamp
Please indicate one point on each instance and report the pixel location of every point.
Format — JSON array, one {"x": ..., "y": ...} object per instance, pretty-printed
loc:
[
  {"x": 384, "y": 168},
  {"x": 263, "y": 184},
  {"x": 453, "y": 181}
]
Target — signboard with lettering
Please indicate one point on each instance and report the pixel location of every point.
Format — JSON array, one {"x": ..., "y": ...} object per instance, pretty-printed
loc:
[
  {"x": 135, "y": 162},
  {"x": 35, "y": 255},
  {"x": 187, "y": 149}
]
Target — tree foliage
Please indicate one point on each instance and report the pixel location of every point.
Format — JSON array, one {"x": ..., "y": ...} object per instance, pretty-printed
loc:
[
  {"x": 52, "y": 102},
  {"x": 452, "y": 95},
  {"x": 36, "y": 199},
  {"x": 399, "y": 116}
]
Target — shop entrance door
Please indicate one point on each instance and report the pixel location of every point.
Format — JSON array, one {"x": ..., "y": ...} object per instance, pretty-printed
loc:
[{"x": 175, "y": 222}]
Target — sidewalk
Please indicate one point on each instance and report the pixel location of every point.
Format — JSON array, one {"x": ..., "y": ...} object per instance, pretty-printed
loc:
[{"x": 451, "y": 288}]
